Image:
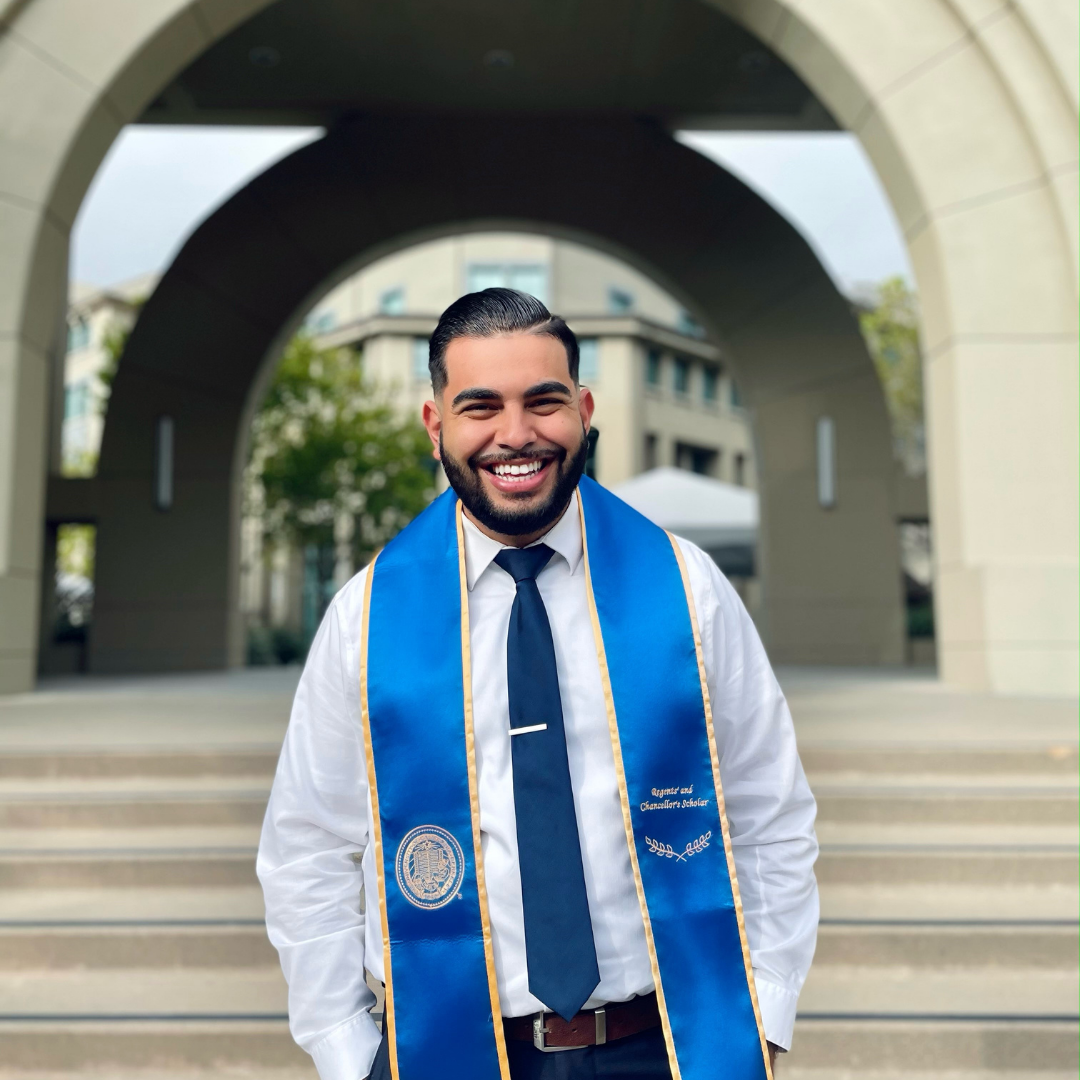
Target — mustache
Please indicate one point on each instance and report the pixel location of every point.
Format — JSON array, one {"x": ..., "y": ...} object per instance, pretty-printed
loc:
[{"x": 479, "y": 461}]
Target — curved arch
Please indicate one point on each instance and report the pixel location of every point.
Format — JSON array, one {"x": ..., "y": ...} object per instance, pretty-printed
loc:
[{"x": 832, "y": 590}]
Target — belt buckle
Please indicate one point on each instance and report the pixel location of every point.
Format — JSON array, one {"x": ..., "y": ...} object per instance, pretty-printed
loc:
[{"x": 540, "y": 1031}]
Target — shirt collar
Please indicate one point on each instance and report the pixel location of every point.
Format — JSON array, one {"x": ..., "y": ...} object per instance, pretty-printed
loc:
[{"x": 564, "y": 538}]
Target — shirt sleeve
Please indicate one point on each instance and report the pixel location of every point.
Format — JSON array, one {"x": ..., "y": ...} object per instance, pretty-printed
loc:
[
  {"x": 313, "y": 838},
  {"x": 770, "y": 809}
]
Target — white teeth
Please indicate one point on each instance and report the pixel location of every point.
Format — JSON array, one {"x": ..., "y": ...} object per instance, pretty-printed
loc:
[{"x": 508, "y": 471}]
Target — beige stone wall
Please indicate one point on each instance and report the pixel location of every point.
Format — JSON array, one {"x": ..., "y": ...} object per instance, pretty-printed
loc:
[
  {"x": 583, "y": 279},
  {"x": 619, "y": 414},
  {"x": 434, "y": 274}
]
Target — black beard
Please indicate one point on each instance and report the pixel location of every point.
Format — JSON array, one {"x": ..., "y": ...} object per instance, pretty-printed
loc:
[{"x": 467, "y": 484}]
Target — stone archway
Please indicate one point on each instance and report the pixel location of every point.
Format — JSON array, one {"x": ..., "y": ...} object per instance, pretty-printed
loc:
[
  {"x": 166, "y": 579},
  {"x": 969, "y": 115}
]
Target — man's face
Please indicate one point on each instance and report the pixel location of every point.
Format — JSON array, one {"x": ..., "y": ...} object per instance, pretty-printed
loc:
[{"x": 509, "y": 428}]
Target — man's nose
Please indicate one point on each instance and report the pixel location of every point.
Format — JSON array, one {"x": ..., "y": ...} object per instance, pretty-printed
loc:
[{"x": 516, "y": 431}]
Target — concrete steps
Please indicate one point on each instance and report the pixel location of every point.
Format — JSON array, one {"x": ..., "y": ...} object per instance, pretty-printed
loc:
[
  {"x": 948, "y": 944},
  {"x": 131, "y": 928},
  {"x": 925, "y": 1047},
  {"x": 135, "y": 810},
  {"x": 46, "y": 948},
  {"x": 170, "y": 1045},
  {"x": 131, "y": 937}
]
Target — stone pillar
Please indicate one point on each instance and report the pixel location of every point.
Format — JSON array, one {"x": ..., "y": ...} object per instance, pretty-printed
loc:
[{"x": 969, "y": 115}]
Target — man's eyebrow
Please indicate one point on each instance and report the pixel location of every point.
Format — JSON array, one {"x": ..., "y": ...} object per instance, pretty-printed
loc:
[
  {"x": 476, "y": 393},
  {"x": 552, "y": 386}
]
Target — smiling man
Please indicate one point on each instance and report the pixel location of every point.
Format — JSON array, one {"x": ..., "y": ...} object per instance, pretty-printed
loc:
[{"x": 539, "y": 779}]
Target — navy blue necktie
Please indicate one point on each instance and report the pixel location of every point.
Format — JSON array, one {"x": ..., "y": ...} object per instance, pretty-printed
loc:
[{"x": 558, "y": 931}]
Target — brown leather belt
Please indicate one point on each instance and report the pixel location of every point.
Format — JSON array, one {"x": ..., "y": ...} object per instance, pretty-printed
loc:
[{"x": 594, "y": 1027}]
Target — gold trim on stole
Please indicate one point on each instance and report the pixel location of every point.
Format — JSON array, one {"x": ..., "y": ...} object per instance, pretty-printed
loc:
[
  {"x": 365, "y": 720},
  {"x": 715, "y": 757},
  {"x": 474, "y": 803},
  {"x": 616, "y": 747}
]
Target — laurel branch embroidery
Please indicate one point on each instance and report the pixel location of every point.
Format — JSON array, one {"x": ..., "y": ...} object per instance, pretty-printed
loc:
[{"x": 694, "y": 847}]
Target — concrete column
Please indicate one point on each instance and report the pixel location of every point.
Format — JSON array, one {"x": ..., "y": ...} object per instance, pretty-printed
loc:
[
  {"x": 969, "y": 113},
  {"x": 71, "y": 74}
]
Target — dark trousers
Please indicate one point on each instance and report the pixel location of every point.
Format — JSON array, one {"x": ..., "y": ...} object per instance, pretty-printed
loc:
[{"x": 637, "y": 1057}]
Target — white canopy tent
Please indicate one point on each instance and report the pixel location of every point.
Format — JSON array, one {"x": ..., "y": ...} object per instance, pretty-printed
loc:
[{"x": 721, "y": 518}]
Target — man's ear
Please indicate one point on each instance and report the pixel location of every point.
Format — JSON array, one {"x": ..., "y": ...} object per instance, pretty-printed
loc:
[
  {"x": 433, "y": 425},
  {"x": 586, "y": 405}
]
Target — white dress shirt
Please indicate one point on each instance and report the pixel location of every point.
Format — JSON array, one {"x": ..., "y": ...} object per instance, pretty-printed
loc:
[{"x": 319, "y": 821}]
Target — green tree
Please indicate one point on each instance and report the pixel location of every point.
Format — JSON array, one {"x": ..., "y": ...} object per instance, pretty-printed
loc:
[
  {"x": 891, "y": 331},
  {"x": 75, "y": 550},
  {"x": 332, "y": 462}
]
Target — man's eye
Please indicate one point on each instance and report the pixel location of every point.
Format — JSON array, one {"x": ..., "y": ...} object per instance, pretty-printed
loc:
[
  {"x": 479, "y": 407},
  {"x": 545, "y": 403}
]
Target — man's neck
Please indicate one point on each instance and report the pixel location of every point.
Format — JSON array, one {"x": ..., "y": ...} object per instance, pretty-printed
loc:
[{"x": 517, "y": 541}]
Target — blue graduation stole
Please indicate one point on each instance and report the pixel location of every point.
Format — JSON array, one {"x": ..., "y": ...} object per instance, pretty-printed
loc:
[{"x": 442, "y": 1003}]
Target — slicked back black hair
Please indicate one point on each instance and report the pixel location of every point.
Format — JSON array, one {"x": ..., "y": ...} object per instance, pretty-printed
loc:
[{"x": 492, "y": 312}]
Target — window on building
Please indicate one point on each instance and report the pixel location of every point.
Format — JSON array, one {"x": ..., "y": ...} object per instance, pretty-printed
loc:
[
  {"x": 589, "y": 360},
  {"x": 320, "y": 322},
  {"x": 392, "y": 302},
  {"x": 740, "y": 470},
  {"x": 652, "y": 368},
  {"x": 78, "y": 335},
  {"x": 681, "y": 375},
  {"x": 652, "y": 451},
  {"x": 703, "y": 460},
  {"x": 690, "y": 326},
  {"x": 77, "y": 400},
  {"x": 420, "y": 370},
  {"x": 619, "y": 301},
  {"x": 531, "y": 278},
  {"x": 481, "y": 276},
  {"x": 735, "y": 396},
  {"x": 710, "y": 384}
]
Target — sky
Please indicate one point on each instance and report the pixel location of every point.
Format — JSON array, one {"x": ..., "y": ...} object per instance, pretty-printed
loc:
[{"x": 158, "y": 183}]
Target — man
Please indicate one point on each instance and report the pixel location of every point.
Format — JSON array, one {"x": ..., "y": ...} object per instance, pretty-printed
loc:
[{"x": 517, "y": 731}]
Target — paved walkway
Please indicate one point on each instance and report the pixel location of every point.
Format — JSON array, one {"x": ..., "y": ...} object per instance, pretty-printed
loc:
[{"x": 250, "y": 706}]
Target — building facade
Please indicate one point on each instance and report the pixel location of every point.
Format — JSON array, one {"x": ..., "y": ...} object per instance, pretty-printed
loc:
[{"x": 664, "y": 394}]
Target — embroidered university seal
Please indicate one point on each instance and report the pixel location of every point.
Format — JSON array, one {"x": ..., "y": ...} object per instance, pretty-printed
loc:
[{"x": 430, "y": 866}]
